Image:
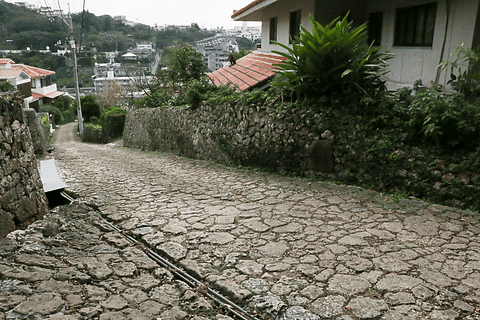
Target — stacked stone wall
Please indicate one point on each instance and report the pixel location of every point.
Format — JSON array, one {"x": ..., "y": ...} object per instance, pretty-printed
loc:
[
  {"x": 298, "y": 142},
  {"x": 36, "y": 131},
  {"x": 22, "y": 199},
  {"x": 245, "y": 134}
]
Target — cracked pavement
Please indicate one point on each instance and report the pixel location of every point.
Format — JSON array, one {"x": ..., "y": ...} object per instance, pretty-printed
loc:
[{"x": 283, "y": 248}]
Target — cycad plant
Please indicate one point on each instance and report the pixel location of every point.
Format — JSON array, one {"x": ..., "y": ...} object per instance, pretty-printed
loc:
[{"x": 332, "y": 59}]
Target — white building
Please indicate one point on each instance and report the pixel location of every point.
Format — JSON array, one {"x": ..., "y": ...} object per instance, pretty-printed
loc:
[
  {"x": 34, "y": 84},
  {"x": 107, "y": 73},
  {"x": 215, "y": 50},
  {"x": 420, "y": 33}
]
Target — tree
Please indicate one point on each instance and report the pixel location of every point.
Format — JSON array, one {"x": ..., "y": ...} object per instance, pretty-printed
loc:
[
  {"x": 184, "y": 63},
  {"x": 111, "y": 95},
  {"x": 63, "y": 103},
  {"x": 90, "y": 107},
  {"x": 6, "y": 87}
]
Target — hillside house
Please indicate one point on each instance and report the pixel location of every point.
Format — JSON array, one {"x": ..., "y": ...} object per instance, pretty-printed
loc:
[
  {"x": 34, "y": 84},
  {"x": 17, "y": 78},
  {"x": 420, "y": 33}
]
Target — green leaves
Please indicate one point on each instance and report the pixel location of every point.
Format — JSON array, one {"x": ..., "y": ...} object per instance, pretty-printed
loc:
[
  {"x": 331, "y": 59},
  {"x": 467, "y": 81},
  {"x": 443, "y": 120}
]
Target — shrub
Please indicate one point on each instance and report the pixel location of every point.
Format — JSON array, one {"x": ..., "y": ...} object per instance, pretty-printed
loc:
[
  {"x": 45, "y": 122},
  {"x": 70, "y": 115},
  {"x": 436, "y": 118},
  {"x": 112, "y": 111},
  {"x": 6, "y": 87},
  {"x": 467, "y": 81},
  {"x": 332, "y": 59},
  {"x": 90, "y": 107},
  {"x": 92, "y": 133},
  {"x": 57, "y": 115}
]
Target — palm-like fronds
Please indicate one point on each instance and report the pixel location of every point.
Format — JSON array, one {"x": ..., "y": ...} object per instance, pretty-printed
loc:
[{"x": 332, "y": 58}]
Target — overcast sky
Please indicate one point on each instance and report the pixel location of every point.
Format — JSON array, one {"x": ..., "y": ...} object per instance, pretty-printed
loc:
[{"x": 207, "y": 14}]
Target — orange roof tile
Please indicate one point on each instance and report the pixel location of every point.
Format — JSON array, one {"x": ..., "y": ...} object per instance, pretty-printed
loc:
[
  {"x": 250, "y": 71},
  {"x": 51, "y": 95},
  {"x": 6, "y": 61},
  {"x": 36, "y": 96},
  {"x": 9, "y": 73},
  {"x": 33, "y": 72},
  {"x": 54, "y": 94}
]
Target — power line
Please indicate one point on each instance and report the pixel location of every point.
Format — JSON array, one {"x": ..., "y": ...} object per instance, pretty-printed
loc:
[{"x": 81, "y": 27}]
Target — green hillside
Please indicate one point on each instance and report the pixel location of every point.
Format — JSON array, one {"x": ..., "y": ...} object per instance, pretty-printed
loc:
[{"x": 28, "y": 28}]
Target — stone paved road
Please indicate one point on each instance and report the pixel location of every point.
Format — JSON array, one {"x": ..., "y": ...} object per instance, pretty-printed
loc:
[{"x": 284, "y": 248}]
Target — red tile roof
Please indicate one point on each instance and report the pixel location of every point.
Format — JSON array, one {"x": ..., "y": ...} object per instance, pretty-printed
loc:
[
  {"x": 248, "y": 6},
  {"x": 54, "y": 94},
  {"x": 6, "y": 61},
  {"x": 9, "y": 73},
  {"x": 250, "y": 71},
  {"x": 33, "y": 72},
  {"x": 51, "y": 95},
  {"x": 36, "y": 96}
]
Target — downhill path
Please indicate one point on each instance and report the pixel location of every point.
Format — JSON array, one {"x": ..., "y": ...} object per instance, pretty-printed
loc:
[{"x": 285, "y": 248}]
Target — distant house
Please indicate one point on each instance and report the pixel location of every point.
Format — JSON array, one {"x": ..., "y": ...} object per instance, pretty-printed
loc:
[
  {"x": 16, "y": 77},
  {"x": 420, "y": 33},
  {"x": 129, "y": 56},
  {"x": 144, "y": 50},
  {"x": 34, "y": 84}
]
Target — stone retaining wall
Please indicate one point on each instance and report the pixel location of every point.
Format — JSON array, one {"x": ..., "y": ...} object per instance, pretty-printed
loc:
[
  {"x": 22, "y": 199},
  {"x": 36, "y": 131},
  {"x": 247, "y": 135},
  {"x": 296, "y": 141}
]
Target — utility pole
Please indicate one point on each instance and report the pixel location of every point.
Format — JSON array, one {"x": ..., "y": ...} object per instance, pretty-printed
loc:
[{"x": 75, "y": 74}]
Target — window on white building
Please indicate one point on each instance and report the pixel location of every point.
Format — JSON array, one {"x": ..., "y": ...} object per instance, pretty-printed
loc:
[
  {"x": 295, "y": 18},
  {"x": 415, "y": 26},
  {"x": 375, "y": 22},
  {"x": 273, "y": 29}
]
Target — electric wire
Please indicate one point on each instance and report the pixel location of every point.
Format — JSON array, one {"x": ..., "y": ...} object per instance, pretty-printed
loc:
[{"x": 81, "y": 26}]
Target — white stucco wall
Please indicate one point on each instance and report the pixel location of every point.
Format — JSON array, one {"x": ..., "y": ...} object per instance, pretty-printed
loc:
[
  {"x": 413, "y": 63},
  {"x": 410, "y": 63},
  {"x": 45, "y": 90},
  {"x": 282, "y": 10}
]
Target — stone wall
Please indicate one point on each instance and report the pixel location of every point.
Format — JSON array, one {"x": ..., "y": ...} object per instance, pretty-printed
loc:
[
  {"x": 22, "y": 199},
  {"x": 247, "y": 135},
  {"x": 36, "y": 131},
  {"x": 299, "y": 142}
]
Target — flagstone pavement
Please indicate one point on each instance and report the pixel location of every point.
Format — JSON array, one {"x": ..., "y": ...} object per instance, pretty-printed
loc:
[{"x": 282, "y": 248}]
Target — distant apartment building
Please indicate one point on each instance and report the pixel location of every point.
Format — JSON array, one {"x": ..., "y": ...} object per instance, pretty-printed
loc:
[
  {"x": 35, "y": 85},
  {"x": 215, "y": 51},
  {"x": 106, "y": 74},
  {"x": 244, "y": 31}
]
